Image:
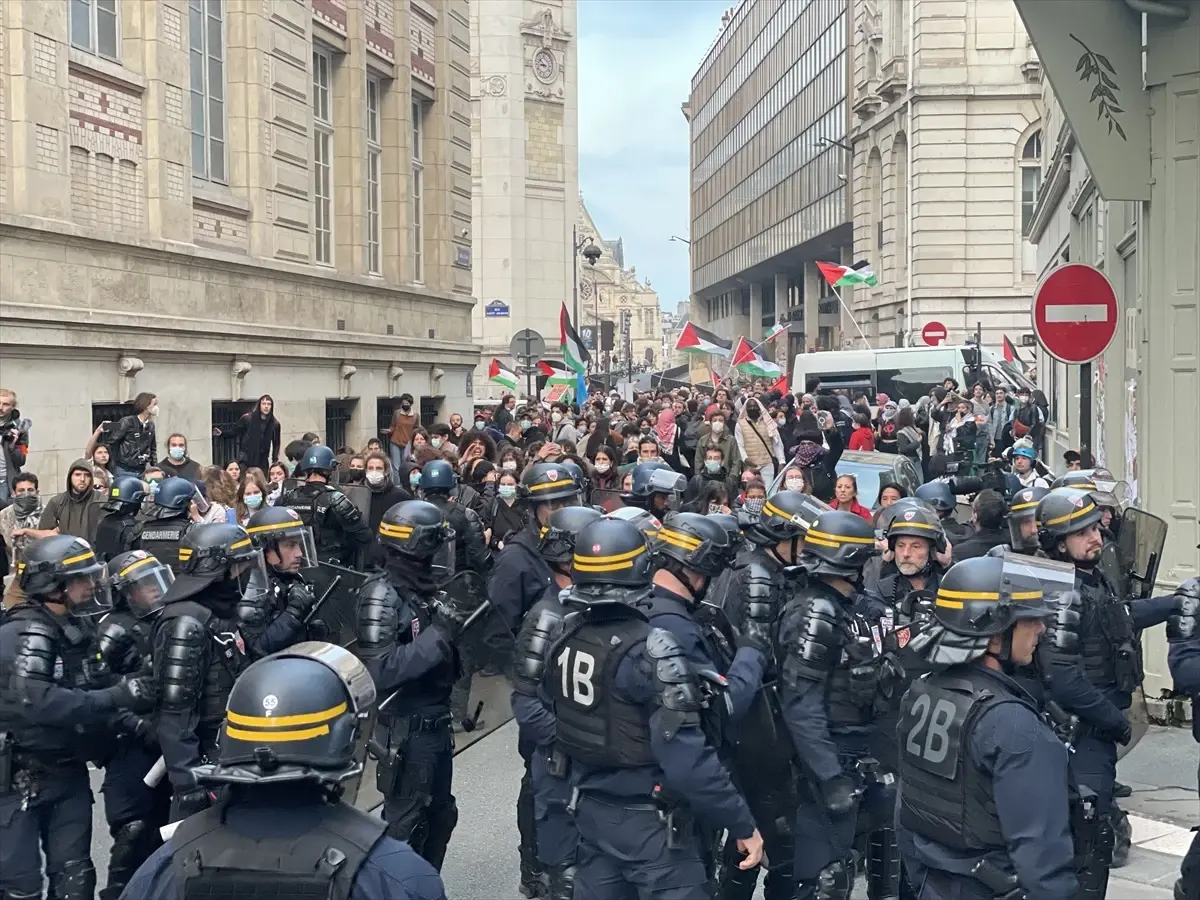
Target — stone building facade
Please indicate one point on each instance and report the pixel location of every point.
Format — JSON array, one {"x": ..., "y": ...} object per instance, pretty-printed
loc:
[
  {"x": 216, "y": 200},
  {"x": 947, "y": 147},
  {"x": 525, "y": 143}
]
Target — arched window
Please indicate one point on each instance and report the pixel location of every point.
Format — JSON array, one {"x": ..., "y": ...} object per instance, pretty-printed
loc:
[
  {"x": 1031, "y": 179},
  {"x": 875, "y": 193},
  {"x": 900, "y": 186}
]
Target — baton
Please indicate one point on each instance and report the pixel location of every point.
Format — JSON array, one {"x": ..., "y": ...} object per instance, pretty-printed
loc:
[
  {"x": 325, "y": 596},
  {"x": 155, "y": 776}
]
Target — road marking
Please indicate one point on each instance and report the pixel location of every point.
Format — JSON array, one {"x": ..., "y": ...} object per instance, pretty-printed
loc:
[
  {"x": 1066, "y": 313},
  {"x": 1161, "y": 837}
]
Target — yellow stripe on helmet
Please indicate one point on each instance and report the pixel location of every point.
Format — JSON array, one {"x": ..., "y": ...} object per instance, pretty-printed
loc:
[{"x": 315, "y": 718}]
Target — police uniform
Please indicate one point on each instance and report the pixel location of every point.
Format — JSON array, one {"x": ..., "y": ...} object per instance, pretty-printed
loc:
[
  {"x": 281, "y": 829},
  {"x": 939, "y": 495},
  {"x": 407, "y": 644},
  {"x": 984, "y": 801},
  {"x": 116, "y": 531},
  {"x": 133, "y": 810},
  {"x": 338, "y": 528},
  {"x": 273, "y": 619},
  {"x": 627, "y": 709},
  {"x": 52, "y": 715},
  {"x": 1183, "y": 659},
  {"x": 161, "y": 533},
  {"x": 545, "y": 783},
  {"x": 198, "y": 651},
  {"x": 655, "y": 487}
]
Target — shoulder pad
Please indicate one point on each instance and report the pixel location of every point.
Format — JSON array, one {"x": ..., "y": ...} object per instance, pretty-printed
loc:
[
  {"x": 345, "y": 507},
  {"x": 112, "y": 636},
  {"x": 755, "y": 573},
  {"x": 813, "y": 638},
  {"x": 1062, "y": 632},
  {"x": 36, "y": 653},
  {"x": 679, "y": 692},
  {"x": 378, "y": 618},
  {"x": 541, "y": 628},
  {"x": 1183, "y": 625},
  {"x": 252, "y": 610},
  {"x": 181, "y": 647}
]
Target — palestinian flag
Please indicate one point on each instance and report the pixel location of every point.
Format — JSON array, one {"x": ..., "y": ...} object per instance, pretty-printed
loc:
[
  {"x": 746, "y": 360},
  {"x": 847, "y": 276},
  {"x": 502, "y": 376},
  {"x": 556, "y": 372},
  {"x": 780, "y": 385},
  {"x": 776, "y": 330},
  {"x": 716, "y": 379},
  {"x": 574, "y": 354},
  {"x": 1010, "y": 350},
  {"x": 693, "y": 339}
]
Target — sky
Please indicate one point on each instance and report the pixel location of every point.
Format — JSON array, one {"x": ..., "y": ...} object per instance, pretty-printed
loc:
[{"x": 636, "y": 61}]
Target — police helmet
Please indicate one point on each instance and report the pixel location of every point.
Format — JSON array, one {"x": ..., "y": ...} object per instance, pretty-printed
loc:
[
  {"x": 984, "y": 596},
  {"x": 839, "y": 544},
  {"x": 295, "y": 715},
  {"x": 437, "y": 477},
  {"x": 269, "y": 526},
  {"x": 125, "y": 495},
  {"x": 916, "y": 522},
  {"x": 1064, "y": 512},
  {"x": 317, "y": 458},
  {"x": 543, "y": 482},
  {"x": 733, "y": 528},
  {"x": 414, "y": 529},
  {"x": 695, "y": 542},
  {"x": 1022, "y": 510},
  {"x": 557, "y": 539},
  {"x": 173, "y": 496},
  {"x": 611, "y": 552},
  {"x": 787, "y": 515},
  {"x": 938, "y": 495},
  {"x": 64, "y": 568},
  {"x": 1102, "y": 490},
  {"x": 577, "y": 473},
  {"x": 645, "y": 521},
  {"x": 1080, "y": 480},
  {"x": 653, "y": 477},
  {"x": 212, "y": 549},
  {"x": 140, "y": 580}
]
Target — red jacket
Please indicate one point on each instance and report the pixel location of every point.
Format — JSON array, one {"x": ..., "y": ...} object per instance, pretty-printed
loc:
[
  {"x": 862, "y": 439},
  {"x": 857, "y": 508}
]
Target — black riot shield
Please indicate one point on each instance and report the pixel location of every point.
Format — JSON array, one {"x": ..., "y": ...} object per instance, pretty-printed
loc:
[
  {"x": 360, "y": 496},
  {"x": 1140, "y": 540},
  {"x": 337, "y": 590},
  {"x": 606, "y": 500},
  {"x": 486, "y": 643}
]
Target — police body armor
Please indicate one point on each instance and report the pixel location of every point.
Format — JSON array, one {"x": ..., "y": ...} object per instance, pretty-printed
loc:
[
  {"x": 211, "y": 860},
  {"x": 314, "y": 502},
  {"x": 187, "y": 636},
  {"x": 947, "y": 798},
  {"x": 1108, "y": 646},
  {"x": 123, "y": 642},
  {"x": 257, "y": 609},
  {"x": 115, "y": 534},
  {"x": 48, "y": 650},
  {"x": 594, "y": 725},
  {"x": 541, "y": 627},
  {"x": 160, "y": 538}
]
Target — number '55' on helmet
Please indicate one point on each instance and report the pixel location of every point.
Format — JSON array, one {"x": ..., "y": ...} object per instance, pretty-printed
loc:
[{"x": 294, "y": 716}]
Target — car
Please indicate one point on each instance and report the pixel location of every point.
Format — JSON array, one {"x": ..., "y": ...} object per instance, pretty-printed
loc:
[{"x": 874, "y": 471}]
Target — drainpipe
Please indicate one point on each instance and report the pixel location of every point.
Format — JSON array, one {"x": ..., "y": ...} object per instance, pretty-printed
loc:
[{"x": 908, "y": 232}]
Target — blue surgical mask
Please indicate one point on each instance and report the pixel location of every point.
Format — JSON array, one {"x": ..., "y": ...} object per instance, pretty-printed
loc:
[
  {"x": 712, "y": 465},
  {"x": 253, "y": 501},
  {"x": 479, "y": 423},
  {"x": 153, "y": 486},
  {"x": 507, "y": 491},
  {"x": 525, "y": 423},
  {"x": 414, "y": 478},
  {"x": 177, "y": 453}
]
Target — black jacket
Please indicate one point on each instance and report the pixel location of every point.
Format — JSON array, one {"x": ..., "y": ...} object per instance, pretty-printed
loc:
[
  {"x": 980, "y": 543},
  {"x": 133, "y": 444}
]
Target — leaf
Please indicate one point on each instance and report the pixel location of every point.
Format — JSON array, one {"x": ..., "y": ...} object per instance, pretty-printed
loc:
[
  {"x": 1114, "y": 110},
  {"x": 1097, "y": 91},
  {"x": 1110, "y": 126},
  {"x": 1104, "y": 62},
  {"x": 1082, "y": 61},
  {"x": 1100, "y": 112},
  {"x": 1120, "y": 130},
  {"x": 1109, "y": 82}
]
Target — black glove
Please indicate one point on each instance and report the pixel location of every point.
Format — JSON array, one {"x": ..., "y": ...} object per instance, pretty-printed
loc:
[
  {"x": 138, "y": 694},
  {"x": 318, "y": 630},
  {"x": 188, "y": 803},
  {"x": 448, "y": 621},
  {"x": 1121, "y": 735},
  {"x": 838, "y": 795},
  {"x": 301, "y": 600},
  {"x": 757, "y": 636}
]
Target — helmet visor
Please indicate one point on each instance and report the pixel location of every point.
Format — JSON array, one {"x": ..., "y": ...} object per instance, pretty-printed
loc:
[
  {"x": 1111, "y": 494},
  {"x": 1023, "y": 531},
  {"x": 86, "y": 595},
  {"x": 251, "y": 573},
  {"x": 1023, "y": 578},
  {"x": 143, "y": 583},
  {"x": 442, "y": 563},
  {"x": 290, "y": 550}
]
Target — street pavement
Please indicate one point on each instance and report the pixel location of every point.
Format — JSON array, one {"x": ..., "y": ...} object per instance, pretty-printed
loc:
[{"x": 482, "y": 862}]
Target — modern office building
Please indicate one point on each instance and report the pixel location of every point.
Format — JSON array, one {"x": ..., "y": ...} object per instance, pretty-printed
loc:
[
  {"x": 768, "y": 111},
  {"x": 216, "y": 199}
]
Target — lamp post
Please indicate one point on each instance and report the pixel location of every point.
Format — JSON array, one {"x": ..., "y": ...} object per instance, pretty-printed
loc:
[
  {"x": 592, "y": 253},
  {"x": 578, "y": 243},
  {"x": 682, "y": 240}
]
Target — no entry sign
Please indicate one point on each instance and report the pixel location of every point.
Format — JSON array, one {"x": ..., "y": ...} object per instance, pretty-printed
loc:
[
  {"x": 933, "y": 333},
  {"x": 1075, "y": 313}
]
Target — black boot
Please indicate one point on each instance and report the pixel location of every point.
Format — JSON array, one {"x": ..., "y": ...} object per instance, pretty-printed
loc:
[
  {"x": 561, "y": 882},
  {"x": 883, "y": 865},
  {"x": 535, "y": 883},
  {"x": 1122, "y": 836}
]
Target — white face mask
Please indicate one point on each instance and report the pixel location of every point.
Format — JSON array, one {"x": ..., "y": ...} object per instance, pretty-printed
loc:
[
  {"x": 794, "y": 484},
  {"x": 603, "y": 467},
  {"x": 436, "y": 441},
  {"x": 375, "y": 478},
  {"x": 718, "y": 427},
  {"x": 509, "y": 465},
  {"x": 556, "y": 418},
  {"x": 153, "y": 410}
]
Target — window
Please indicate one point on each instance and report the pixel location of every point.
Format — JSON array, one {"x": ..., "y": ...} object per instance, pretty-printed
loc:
[
  {"x": 94, "y": 27},
  {"x": 322, "y": 158},
  {"x": 374, "y": 173},
  {"x": 1031, "y": 179},
  {"x": 206, "y": 37},
  {"x": 418, "y": 186},
  {"x": 338, "y": 415}
]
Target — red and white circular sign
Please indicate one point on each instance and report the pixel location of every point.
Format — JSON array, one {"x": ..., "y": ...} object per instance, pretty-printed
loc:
[
  {"x": 934, "y": 333},
  {"x": 1075, "y": 313}
]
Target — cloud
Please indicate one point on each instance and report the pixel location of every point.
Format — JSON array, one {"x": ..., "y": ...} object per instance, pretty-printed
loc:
[{"x": 636, "y": 61}]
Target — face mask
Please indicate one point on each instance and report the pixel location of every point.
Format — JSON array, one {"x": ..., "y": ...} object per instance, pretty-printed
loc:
[
  {"x": 253, "y": 501},
  {"x": 507, "y": 491},
  {"x": 509, "y": 465},
  {"x": 436, "y": 442},
  {"x": 603, "y": 467},
  {"x": 755, "y": 505},
  {"x": 525, "y": 423},
  {"x": 25, "y": 504},
  {"x": 177, "y": 453},
  {"x": 714, "y": 509},
  {"x": 406, "y": 406},
  {"x": 375, "y": 478},
  {"x": 153, "y": 410},
  {"x": 414, "y": 479},
  {"x": 718, "y": 427},
  {"x": 781, "y": 420},
  {"x": 153, "y": 485},
  {"x": 794, "y": 484},
  {"x": 712, "y": 465},
  {"x": 556, "y": 418},
  {"x": 479, "y": 423},
  {"x": 752, "y": 413}
]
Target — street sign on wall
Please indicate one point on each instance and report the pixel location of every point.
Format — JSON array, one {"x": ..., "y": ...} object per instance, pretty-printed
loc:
[
  {"x": 934, "y": 333},
  {"x": 1075, "y": 313},
  {"x": 496, "y": 309}
]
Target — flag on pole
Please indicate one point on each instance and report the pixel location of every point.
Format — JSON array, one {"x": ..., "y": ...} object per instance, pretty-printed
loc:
[
  {"x": 781, "y": 384},
  {"x": 694, "y": 339},
  {"x": 574, "y": 354},
  {"x": 556, "y": 372},
  {"x": 716, "y": 379},
  {"x": 1010, "y": 350},
  {"x": 746, "y": 360},
  {"x": 502, "y": 376},
  {"x": 776, "y": 330},
  {"x": 847, "y": 276}
]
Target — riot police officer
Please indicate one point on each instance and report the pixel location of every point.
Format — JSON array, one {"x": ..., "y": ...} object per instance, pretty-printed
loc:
[
  {"x": 1095, "y": 659},
  {"x": 50, "y": 710},
  {"x": 656, "y": 488},
  {"x": 198, "y": 651},
  {"x": 116, "y": 530},
  {"x": 627, "y": 709},
  {"x": 282, "y": 824},
  {"x": 545, "y": 791},
  {"x": 940, "y": 496},
  {"x": 984, "y": 805},
  {"x": 1183, "y": 659},
  {"x": 828, "y": 689},
  {"x": 133, "y": 810},
  {"x": 167, "y": 521},
  {"x": 406, "y": 641},
  {"x": 339, "y": 530},
  {"x": 1022, "y": 522},
  {"x": 919, "y": 553},
  {"x": 273, "y": 619}
]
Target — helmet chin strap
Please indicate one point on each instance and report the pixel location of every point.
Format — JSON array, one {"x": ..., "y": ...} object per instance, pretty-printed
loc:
[{"x": 1004, "y": 657}]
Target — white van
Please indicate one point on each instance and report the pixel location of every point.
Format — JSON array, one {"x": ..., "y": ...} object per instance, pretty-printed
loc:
[{"x": 905, "y": 372}]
